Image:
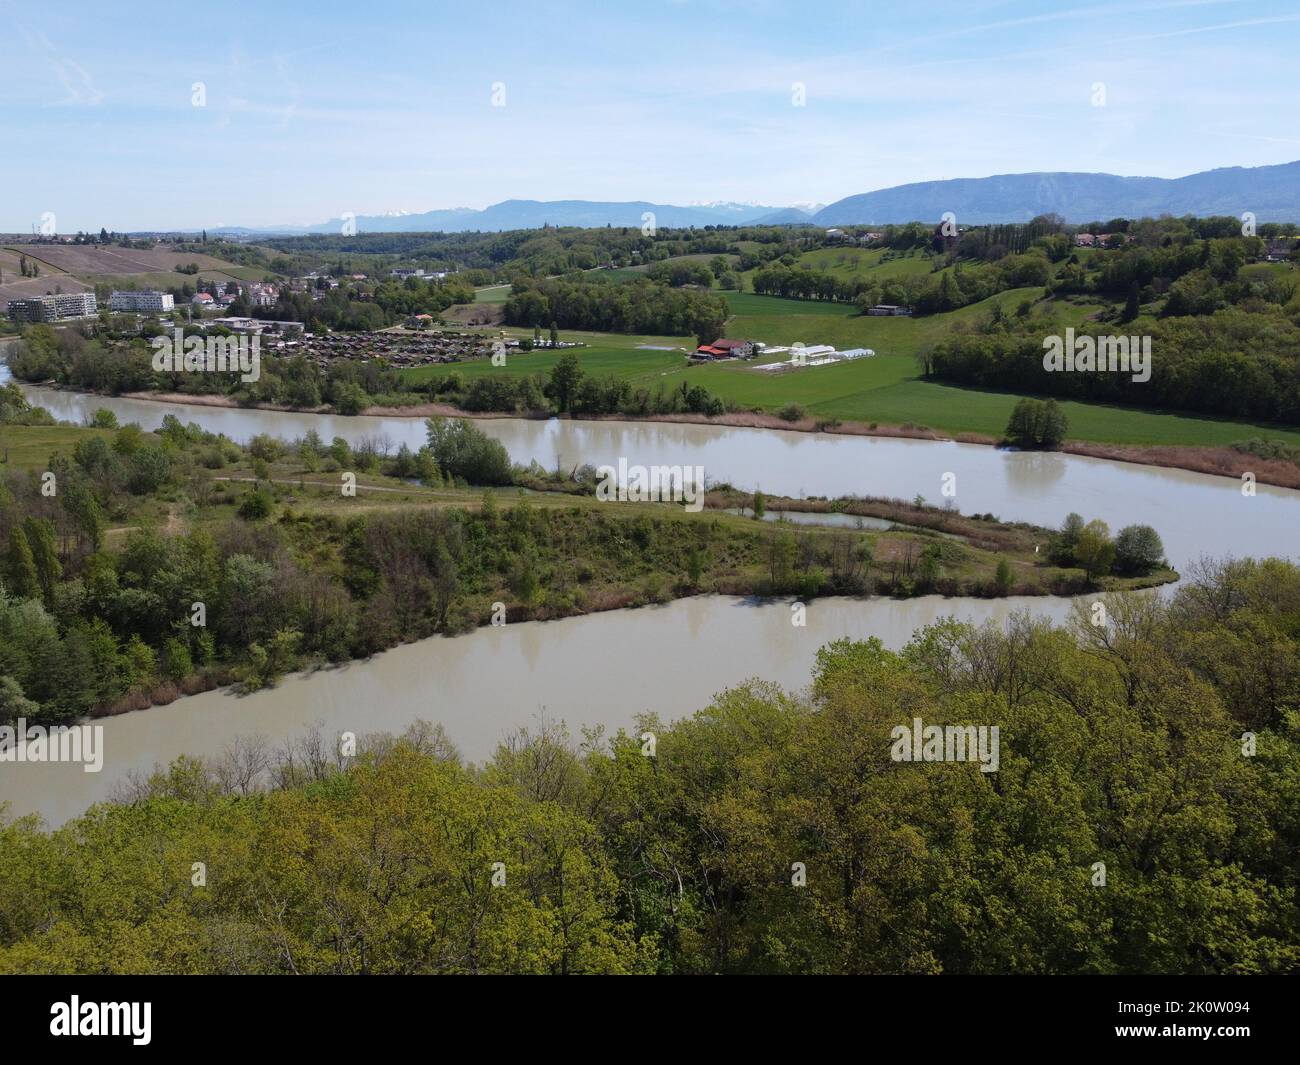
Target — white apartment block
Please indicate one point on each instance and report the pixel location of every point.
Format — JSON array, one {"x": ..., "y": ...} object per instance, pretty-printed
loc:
[{"x": 148, "y": 301}]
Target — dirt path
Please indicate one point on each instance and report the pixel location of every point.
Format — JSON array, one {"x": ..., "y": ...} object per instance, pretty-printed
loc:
[{"x": 294, "y": 482}]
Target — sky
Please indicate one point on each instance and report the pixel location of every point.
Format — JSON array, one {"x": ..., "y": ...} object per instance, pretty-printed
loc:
[{"x": 138, "y": 116}]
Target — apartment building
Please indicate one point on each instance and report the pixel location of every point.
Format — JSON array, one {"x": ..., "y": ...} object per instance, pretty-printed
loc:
[
  {"x": 53, "y": 308},
  {"x": 150, "y": 302}
]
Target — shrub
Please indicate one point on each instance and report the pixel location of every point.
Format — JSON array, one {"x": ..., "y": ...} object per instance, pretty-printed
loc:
[
  {"x": 256, "y": 505},
  {"x": 464, "y": 451}
]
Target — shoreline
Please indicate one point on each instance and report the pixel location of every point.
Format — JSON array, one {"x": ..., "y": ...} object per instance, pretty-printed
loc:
[
  {"x": 1214, "y": 461},
  {"x": 225, "y": 681}
]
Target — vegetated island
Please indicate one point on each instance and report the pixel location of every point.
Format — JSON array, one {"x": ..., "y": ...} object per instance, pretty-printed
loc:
[{"x": 311, "y": 553}]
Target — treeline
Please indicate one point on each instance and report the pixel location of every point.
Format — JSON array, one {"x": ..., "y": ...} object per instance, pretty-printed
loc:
[
  {"x": 947, "y": 291},
  {"x": 365, "y": 305},
  {"x": 568, "y": 389},
  {"x": 1142, "y": 819},
  {"x": 1136, "y": 550},
  {"x": 518, "y": 253},
  {"x": 1236, "y": 363},
  {"x": 638, "y": 306}
]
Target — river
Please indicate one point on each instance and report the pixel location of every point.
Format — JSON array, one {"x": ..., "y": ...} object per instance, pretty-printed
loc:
[
  {"x": 606, "y": 668},
  {"x": 1195, "y": 513}
]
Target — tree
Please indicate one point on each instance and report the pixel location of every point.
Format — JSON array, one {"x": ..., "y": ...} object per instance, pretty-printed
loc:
[
  {"x": 464, "y": 451},
  {"x": 695, "y": 565},
  {"x": 1131, "y": 304},
  {"x": 1037, "y": 424},
  {"x": 781, "y": 557},
  {"x": 562, "y": 386},
  {"x": 1138, "y": 550},
  {"x": 20, "y": 568},
  {"x": 1055, "y": 425},
  {"x": 1095, "y": 551},
  {"x": 930, "y": 568},
  {"x": 13, "y": 703},
  {"x": 45, "y": 557},
  {"x": 1062, "y": 546},
  {"x": 350, "y": 399},
  {"x": 1023, "y": 426},
  {"x": 1002, "y": 578}
]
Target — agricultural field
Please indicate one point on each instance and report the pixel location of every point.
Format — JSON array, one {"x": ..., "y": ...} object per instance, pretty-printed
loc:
[
  {"x": 80, "y": 267},
  {"x": 886, "y": 388},
  {"x": 112, "y": 260},
  {"x": 13, "y": 286}
]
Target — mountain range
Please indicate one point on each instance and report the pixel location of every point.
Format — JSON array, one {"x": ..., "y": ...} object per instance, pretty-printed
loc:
[
  {"x": 1271, "y": 193},
  {"x": 533, "y": 214}
]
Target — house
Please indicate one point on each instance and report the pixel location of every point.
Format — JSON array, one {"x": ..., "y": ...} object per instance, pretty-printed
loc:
[
  {"x": 726, "y": 349},
  {"x": 735, "y": 349},
  {"x": 887, "y": 309},
  {"x": 1279, "y": 251},
  {"x": 261, "y": 294},
  {"x": 202, "y": 299}
]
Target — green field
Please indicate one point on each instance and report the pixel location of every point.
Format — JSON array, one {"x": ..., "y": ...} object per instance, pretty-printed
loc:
[
  {"x": 885, "y": 389},
  {"x": 29, "y": 447},
  {"x": 869, "y": 264},
  {"x": 492, "y": 294}
]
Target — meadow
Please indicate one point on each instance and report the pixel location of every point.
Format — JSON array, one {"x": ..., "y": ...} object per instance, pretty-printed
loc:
[{"x": 886, "y": 388}]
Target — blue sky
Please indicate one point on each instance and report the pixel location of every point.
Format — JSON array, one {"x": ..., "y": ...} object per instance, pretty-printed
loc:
[{"x": 316, "y": 109}]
